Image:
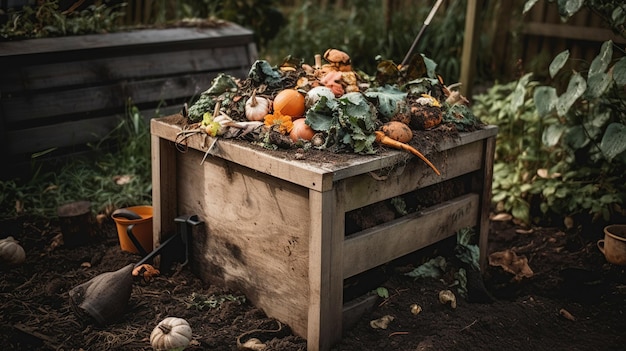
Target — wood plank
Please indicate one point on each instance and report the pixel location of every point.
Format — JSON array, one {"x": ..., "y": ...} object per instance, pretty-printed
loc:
[
  {"x": 30, "y": 140},
  {"x": 111, "y": 69},
  {"x": 367, "y": 189},
  {"x": 319, "y": 176},
  {"x": 381, "y": 244},
  {"x": 164, "y": 190},
  {"x": 125, "y": 43},
  {"x": 326, "y": 284},
  {"x": 485, "y": 200},
  {"x": 571, "y": 32},
  {"x": 106, "y": 98},
  {"x": 470, "y": 46},
  {"x": 257, "y": 233},
  {"x": 64, "y": 134},
  {"x": 313, "y": 176}
]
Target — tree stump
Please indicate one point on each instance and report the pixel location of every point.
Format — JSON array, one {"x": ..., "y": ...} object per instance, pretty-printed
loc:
[{"x": 76, "y": 223}]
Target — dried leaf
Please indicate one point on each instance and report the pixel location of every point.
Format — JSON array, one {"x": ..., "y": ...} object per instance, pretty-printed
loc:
[
  {"x": 565, "y": 314},
  {"x": 502, "y": 217},
  {"x": 382, "y": 322}
]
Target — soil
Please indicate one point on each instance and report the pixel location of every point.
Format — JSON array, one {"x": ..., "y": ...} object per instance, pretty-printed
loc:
[{"x": 570, "y": 278}]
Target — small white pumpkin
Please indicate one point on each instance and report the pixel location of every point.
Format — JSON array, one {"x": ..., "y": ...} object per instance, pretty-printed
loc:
[
  {"x": 171, "y": 334},
  {"x": 11, "y": 252}
]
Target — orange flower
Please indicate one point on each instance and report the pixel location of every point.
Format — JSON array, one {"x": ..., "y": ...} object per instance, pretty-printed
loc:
[{"x": 280, "y": 121}]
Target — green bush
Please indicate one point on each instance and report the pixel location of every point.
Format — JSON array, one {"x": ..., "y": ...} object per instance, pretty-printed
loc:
[{"x": 563, "y": 152}]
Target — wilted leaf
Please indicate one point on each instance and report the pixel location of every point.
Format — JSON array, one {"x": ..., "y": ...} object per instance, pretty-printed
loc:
[
  {"x": 619, "y": 72},
  {"x": 558, "y": 62},
  {"x": 545, "y": 100},
  {"x": 575, "y": 89},
  {"x": 502, "y": 217},
  {"x": 386, "y": 99},
  {"x": 386, "y": 72},
  {"x": 614, "y": 140},
  {"x": 416, "y": 67},
  {"x": 262, "y": 72}
]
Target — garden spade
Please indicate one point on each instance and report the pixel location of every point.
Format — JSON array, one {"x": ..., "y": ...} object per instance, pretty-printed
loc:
[{"x": 105, "y": 297}]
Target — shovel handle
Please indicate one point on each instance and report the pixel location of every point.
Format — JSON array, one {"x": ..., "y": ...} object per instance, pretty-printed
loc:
[{"x": 133, "y": 238}]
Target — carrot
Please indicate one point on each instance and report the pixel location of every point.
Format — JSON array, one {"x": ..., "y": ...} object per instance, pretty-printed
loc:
[{"x": 382, "y": 139}]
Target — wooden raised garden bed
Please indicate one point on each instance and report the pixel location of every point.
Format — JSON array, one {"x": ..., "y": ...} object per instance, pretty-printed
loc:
[
  {"x": 65, "y": 92},
  {"x": 275, "y": 225}
]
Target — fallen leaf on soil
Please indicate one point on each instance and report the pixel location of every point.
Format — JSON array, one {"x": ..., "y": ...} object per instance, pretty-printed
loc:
[
  {"x": 524, "y": 231},
  {"x": 565, "y": 314},
  {"x": 253, "y": 344},
  {"x": 56, "y": 242},
  {"x": 502, "y": 217},
  {"x": 382, "y": 322},
  {"x": 510, "y": 262}
]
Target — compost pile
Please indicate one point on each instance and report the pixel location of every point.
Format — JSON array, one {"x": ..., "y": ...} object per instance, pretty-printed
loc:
[{"x": 328, "y": 105}]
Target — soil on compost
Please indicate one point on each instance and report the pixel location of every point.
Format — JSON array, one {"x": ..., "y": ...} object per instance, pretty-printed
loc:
[{"x": 570, "y": 274}]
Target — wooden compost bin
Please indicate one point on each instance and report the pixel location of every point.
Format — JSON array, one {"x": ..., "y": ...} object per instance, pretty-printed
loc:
[
  {"x": 274, "y": 227},
  {"x": 65, "y": 92}
]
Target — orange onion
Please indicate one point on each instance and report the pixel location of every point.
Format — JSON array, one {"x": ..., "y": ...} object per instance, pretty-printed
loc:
[{"x": 301, "y": 130}]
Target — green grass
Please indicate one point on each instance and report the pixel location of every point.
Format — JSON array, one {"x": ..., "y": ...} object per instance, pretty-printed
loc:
[{"x": 108, "y": 178}]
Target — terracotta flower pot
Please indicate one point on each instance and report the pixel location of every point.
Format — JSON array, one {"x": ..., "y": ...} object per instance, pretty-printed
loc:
[{"x": 613, "y": 246}]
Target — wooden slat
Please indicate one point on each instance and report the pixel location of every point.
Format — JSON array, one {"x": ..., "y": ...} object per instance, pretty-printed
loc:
[
  {"x": 392, "y": 158},
  {"x": 318, "y": 176},
  {"x": 568, "y": 31},
  {"x": 326, "y": 284},
  {"x": 78, "y": 132},
  {"x": 383, "y": 243},
  {"x": 313, "y": 176},
  {"x": 164, "y": 190},
  {"x": 104, "y": 98},
  {"x": 123, "y": 42},
  {"x": 470, "y": 49},
  {"x": 103, "y": 71},
  {"x": 365, "y": 189},
  {"x": 256, "y": 233},
  {"x": 485, "y": 200}
]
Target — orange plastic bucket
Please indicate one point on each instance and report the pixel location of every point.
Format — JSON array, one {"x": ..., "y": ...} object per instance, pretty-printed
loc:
[{"x": 141, "y": 229}]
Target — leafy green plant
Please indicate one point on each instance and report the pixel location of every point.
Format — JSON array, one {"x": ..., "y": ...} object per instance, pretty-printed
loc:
[
  {"x": 563, "y": 152},
  {"x": 46, "y": 20},
  {"x": 519, "y": 149},
  {"x": 591, "y": 132}
]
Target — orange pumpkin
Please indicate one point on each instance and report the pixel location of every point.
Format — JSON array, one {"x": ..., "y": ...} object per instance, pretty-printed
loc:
[{"x": 289, "y": 102}]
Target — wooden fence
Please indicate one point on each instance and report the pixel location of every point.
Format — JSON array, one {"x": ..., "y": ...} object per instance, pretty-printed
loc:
[{"x": 528, "y": 43}]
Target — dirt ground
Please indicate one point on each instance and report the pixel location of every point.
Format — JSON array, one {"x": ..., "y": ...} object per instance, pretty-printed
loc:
[{"x": 571, "y": 278}]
